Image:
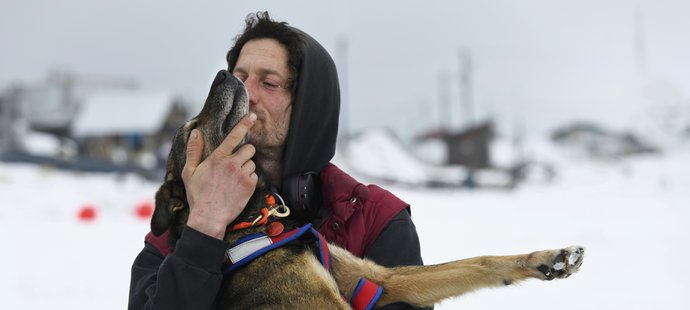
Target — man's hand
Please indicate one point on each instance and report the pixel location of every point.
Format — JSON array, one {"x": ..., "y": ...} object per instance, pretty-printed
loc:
[{"x": 219, "y": 188}]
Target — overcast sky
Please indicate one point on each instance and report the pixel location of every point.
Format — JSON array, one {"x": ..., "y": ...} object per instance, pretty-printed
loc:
[{"x": 536, "y": 63}]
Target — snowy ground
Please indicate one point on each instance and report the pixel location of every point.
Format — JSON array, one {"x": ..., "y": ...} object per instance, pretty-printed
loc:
[{"x": 633, "y": 217}]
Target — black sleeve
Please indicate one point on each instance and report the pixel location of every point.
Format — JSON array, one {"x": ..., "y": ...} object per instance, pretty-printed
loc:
[
  {"x": 397, "y": 245},
  {"x": 188, "y": 278}
]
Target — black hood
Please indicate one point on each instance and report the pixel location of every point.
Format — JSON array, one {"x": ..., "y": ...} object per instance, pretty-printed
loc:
[{"x": 313, "y": 129}]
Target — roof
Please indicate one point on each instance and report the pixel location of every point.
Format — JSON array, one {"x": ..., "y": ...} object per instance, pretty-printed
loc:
[{"x": 122, "y": 112}]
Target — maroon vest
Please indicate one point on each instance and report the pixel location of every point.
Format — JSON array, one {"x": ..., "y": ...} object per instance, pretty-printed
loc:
[{"x": 356, "y": 213}]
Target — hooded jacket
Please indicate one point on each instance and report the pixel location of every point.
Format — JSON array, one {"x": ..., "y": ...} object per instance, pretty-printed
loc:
[
  {"x": 366, "y": 220},
  {"x": 313, "y": 131}
]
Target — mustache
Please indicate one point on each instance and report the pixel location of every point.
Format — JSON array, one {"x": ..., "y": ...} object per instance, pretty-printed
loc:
[{"x": 260, "y": 115}]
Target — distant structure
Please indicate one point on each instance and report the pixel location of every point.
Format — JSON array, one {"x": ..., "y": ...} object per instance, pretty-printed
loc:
[
  {"x": 640, "y": 42},
  {"x": 655, "y": 106},
  {"x": 107, "y": 124},
  {"x": 597, "y": 142},
  {"x": 50, "y": 106},
  {"x": 9, "y": 121},
  {"x": 466, "y": 87},
  {"x": 469, "y": 147},
  {"x": 132, "y": 127}
]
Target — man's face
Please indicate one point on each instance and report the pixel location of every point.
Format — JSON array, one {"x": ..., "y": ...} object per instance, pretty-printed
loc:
[{"x": 263, "y": 67}]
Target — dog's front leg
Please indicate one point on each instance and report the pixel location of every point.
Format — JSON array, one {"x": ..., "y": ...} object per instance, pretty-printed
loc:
[{"x": 427, "y": 285}]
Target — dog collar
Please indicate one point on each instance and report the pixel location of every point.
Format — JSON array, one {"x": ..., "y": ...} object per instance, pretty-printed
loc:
[{"x": 272, "y": 209}]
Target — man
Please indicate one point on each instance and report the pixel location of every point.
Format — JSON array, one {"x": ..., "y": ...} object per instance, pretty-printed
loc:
[{"x": 294, "y": 105}]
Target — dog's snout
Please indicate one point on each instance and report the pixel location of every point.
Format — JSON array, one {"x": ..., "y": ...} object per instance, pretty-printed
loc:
[{"x": 222, "y": 75}]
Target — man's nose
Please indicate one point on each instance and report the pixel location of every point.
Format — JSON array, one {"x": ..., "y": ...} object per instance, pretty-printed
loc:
[{"x": 252, "y": 86}]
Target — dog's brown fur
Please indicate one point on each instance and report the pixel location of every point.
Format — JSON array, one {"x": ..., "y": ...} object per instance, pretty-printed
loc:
[{"x": 291, "y": 277}]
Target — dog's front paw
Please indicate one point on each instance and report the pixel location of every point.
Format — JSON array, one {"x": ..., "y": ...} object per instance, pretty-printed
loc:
[{"x": 560, "y": 263}]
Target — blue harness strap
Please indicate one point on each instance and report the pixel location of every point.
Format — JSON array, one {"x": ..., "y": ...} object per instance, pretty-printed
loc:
[{"x": 248, "y": 248}]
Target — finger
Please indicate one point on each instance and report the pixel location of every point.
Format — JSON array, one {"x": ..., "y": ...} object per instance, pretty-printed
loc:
[
  {"x": 244, "y": 153},
  {"x": 195, "y": 148},
  {"x": 236, "y": 135},
  {"x": 249, "y": 167}
]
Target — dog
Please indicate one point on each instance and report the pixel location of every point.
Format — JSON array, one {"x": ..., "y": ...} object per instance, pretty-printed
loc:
[{"x": 295, "y": 276}]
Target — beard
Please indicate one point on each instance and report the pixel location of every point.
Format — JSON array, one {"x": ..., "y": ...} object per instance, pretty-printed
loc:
[{"x": 269, "y": 136}]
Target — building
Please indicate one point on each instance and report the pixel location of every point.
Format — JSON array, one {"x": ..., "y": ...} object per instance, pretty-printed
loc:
[
  {"x": 128, "y": 127},
  {"x": 10, "y": 121},
  {"x": 88, "y": 123},
  {"x": 469, "y": 147},
  {"x": 595, "y": 141}
]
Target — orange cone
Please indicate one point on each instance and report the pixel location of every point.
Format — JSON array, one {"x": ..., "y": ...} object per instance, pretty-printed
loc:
[
  {"x": 87, "y": 213},
  {"x": 144, "y": 210}
]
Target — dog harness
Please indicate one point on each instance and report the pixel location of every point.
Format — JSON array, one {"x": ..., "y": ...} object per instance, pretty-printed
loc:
[
  {"x": 248, "y": 248},
  {"x": 252, "y": 246}
]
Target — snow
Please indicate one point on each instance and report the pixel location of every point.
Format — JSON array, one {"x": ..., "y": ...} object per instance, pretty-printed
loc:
[
  {"x": 387, "y": 159},
  {"x": 41, "y": 144},
  {"x": 632, "y": 216}
]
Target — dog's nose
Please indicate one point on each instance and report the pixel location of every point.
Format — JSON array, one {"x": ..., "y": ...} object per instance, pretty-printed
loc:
[{"x": 221, "y": 76}]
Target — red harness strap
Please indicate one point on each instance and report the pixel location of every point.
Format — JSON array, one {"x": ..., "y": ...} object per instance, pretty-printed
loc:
[{"x": 366, "y": 294}]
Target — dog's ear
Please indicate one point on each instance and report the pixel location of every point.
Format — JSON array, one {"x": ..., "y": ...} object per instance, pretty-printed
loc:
[{"x": 170, "y": 201}]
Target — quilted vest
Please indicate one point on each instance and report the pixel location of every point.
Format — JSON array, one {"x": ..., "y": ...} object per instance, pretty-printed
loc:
[{"x": 355, "y": 213}]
